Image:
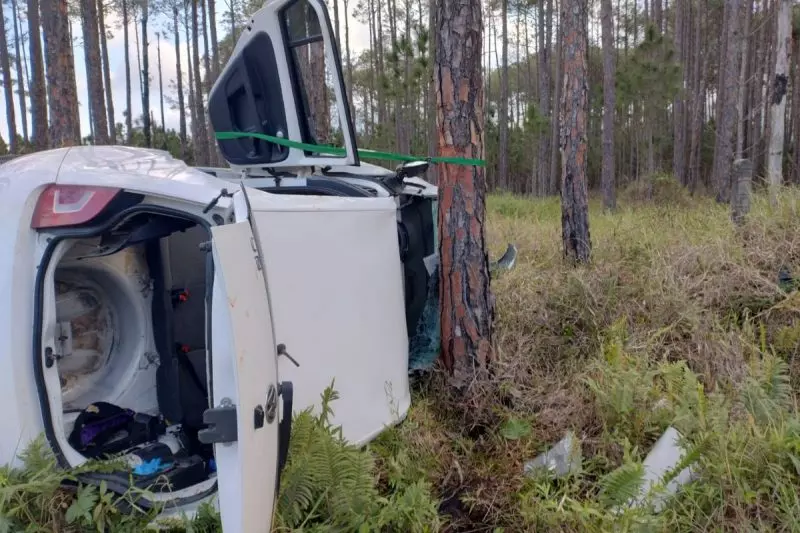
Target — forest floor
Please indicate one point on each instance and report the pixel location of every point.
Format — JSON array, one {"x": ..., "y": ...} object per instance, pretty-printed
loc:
[{"x": 680, "y": 320}]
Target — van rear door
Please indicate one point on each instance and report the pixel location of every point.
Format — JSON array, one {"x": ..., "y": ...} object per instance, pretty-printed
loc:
[{"x": 243, "y": 425}]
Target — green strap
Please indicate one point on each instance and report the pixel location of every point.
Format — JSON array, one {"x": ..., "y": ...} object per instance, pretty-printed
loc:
[{"x": 334, "y": 150}]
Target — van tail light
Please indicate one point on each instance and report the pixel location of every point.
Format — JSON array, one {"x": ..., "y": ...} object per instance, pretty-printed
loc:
[{"x": 69, "y": 205}]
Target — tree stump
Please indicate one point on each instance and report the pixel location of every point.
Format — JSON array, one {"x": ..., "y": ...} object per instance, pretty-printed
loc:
[{"x": 742, "y": 184}]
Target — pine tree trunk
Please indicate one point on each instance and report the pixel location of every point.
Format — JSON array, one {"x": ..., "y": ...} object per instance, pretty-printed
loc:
[
  {"x": 432, "y": 130},
  {"x": 232, "y": 13},
  {"x": 318, "y": 93},
  {"x": 502, "y": 119},
  {"x": 545, "y": 139},
  {"x": 148, "y": 139},
  {"x": 38, "y": 85},
  {"x": 609, "y": 108},
  {"x": 517, "y": 70},
  {"x": 796, "y": 110},
  {"x": 349, "y": 61},
  {"x": 190, "y": 71},
  {"x": 679, "y": 115},
  {"x": 23, "y": 107},
  {"x": 61, "y": 86},
  {"x": 699, "y": 67},
  {"x": 138, "y": 52},
  {"x": 212, "y": 21},
  {"x": 336, "y": 33},
  {"x": 201, "y": 140},
  {"x": 94, "y": 71},
  {"x": 467, "y": 306},
  {"x": 574, "y": 148},
  {"x": 211, "y": 156},
  {"x": 112, "y": 125},
  {"x": 161, "y": 90},
  {"x": 373, "y": 68},
  {"x": 741, "y": 117},
  {"x": 555, "y": 121},
  {"x": 657, "y": 16},
  {"x": 181, "y": 108},
  {"x": 8, "y": 88},
  {"x": 128, "y": 99},
  {"x": 726, "y": 105},
  {"x": 769, "y": 74},
  {"x": 778, "y": 100},
  {"x": 382, "y": 108},
  {"x": 89, "y": 95}
]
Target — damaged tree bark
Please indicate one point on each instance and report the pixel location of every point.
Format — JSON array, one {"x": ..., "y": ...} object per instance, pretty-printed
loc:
[{"x": 467, "y": 307}]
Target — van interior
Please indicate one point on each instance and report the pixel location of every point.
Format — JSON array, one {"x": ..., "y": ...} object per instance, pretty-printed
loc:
[{"x": 133, "y": 353}]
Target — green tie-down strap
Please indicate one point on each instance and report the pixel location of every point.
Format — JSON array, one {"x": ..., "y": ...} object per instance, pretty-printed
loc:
[{"x": 334, "y": 150}]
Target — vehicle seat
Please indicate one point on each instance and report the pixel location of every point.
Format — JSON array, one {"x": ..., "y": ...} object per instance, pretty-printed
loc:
[{"x": 178, "y": 267}]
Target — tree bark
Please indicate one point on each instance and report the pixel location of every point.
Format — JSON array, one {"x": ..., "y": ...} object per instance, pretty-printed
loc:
[
  {"x": 574, "y": 148},
  {"x": 181, "y": 108},
  {"x": 778, "y": 101},
  {"x": 545, "y": 110},
  {"x": 349, "y": 61},
  {"x": 679, "y": 114},
  {"x": 112, "y": 126},
  {"x": 211, "y": 156},
  {"x": 61, "y": 86},
  {"x": 148, "y": 140},
  {"x": 161, "y": 89},
  {"x": 699, "y": 67},
  {"x": 23, "y": 108},
  {"x": 8, "y": 87},
  {"x": 318, "y": 95},
  {"x": 609, "y": 108},
  {"x": 467, "y": 308},
  {"x": 212, "y": 21},
  {"x": 741, "y": 117},
  {"x": 128, "y": 99},
  {"x": 201, "y": 139},
  {"x": 431, "y": 128},
  {"x": 555, "y": 119},
  {"x": 94, "y": 71},
  {"x": 502, "y": 119},
  {"x": 38, "y": 85},
  {"x": 796, "y": 109},
  {"x": 768, "y": 44},
  {"x": 336, "y": 34},
  {"x": 190, "y": 68},
  {"x": 726, "y": 106}
]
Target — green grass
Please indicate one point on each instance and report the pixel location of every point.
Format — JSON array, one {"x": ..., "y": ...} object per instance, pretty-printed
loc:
[{"x": 678, "y": 320}]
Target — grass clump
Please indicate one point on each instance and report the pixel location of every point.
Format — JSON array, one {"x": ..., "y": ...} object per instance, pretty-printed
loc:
[{"x": 658, "y": 189}]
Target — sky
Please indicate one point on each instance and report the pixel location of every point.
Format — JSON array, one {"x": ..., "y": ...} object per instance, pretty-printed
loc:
[{"x": 359, "y": 40}]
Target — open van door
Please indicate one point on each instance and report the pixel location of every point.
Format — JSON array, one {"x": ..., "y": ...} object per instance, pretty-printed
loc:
[
  {"x": 284, "y": 80},
  {"x": 243, "y": 425}
]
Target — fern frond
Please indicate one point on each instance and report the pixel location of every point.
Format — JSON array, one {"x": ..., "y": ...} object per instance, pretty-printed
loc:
[{"x": 622, "y": 485}]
